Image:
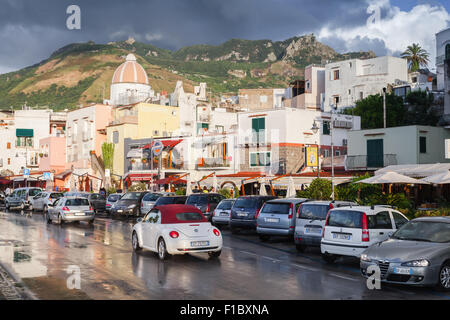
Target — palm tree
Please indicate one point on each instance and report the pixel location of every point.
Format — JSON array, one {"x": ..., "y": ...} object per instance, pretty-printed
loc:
[{"x": 416, "y": 57}]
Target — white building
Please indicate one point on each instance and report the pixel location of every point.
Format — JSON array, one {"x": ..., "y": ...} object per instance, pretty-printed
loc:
[
  {"x": 274, "y": 140},
  {"x": 351, "y": 80},
  {"x": 442, "y": 53}
]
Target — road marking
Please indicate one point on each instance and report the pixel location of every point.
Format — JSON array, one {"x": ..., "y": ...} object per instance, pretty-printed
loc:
[
  {"x": 342, "y": 277},
  {"x": 306, "y": 268},
  {"x": 250, "y": 253},
  {"x": 272, "y": 259}
]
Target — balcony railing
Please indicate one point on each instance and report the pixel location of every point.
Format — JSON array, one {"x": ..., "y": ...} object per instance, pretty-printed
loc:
[
  {"x": 364, "y": 162},
  {"x": 203, "y": 163}
]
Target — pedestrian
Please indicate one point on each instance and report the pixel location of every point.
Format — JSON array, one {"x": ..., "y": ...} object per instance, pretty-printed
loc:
[
  {"x": 195, "y": 190},
  {"x": 205, "y": 190},
  {"x": 7, "y": 191}
]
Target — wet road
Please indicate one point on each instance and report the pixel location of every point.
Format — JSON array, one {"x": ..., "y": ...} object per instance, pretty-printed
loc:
[{"x": 247, "y": 268}]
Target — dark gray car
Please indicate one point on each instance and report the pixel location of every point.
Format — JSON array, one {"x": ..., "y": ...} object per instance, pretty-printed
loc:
[{"x": 416, "y": 254}]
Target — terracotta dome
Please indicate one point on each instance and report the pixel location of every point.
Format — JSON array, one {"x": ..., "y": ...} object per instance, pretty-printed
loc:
[{"x": 130, "y": 72}]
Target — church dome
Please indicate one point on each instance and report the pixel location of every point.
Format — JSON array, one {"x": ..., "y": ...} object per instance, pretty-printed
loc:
[{"x": 130, "y": 72}]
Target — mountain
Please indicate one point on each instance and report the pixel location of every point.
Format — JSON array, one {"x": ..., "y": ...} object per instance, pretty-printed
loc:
[{"x": 81, "y": 73}]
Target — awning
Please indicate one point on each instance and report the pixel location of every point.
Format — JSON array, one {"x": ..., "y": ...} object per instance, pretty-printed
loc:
[
  {"x": 168, "y": 180},
  {"x": 5, "y": 181},
  {"x": 140, "y": 176},
  {"x": 63, "y": 175},
  {"x": 416, "y": 170},
  {"x": 391, "y": 177},
  {"x": 166, "y": 143},
  {"x": 24, "y": 133}
]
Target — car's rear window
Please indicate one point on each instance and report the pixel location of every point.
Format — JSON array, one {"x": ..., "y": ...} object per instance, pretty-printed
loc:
[
  {"x": 131, "y": 196},
  {"x": 313, "y": 211},
  {"x": 165, "y": 200},
  {"x": 189, "y": 216},
  {"x": 345, "y": 219},
  {"x": 199, "y": 200},
  {"x": 77, "y": 202},
  {"x": 113, "y": 197},
  {"x": 33, "y": 192},
  {"x": 225, "y": 205},
  {"x": 55, "y": 195},
  {"x": 246, "y": 203},
  {"x": 276, "y": 208},
  {"x": 151, "y": 197}
]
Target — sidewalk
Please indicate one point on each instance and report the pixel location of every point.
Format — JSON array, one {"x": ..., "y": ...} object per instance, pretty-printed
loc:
[{"x": 11, "y": 288}]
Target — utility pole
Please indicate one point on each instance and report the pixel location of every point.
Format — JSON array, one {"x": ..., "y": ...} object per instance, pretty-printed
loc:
[{"x": 384, "y": 107}]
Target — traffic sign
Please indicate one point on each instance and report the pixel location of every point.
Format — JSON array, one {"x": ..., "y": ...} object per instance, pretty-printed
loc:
[
  {"x": 26, "y": 173},
  {"x": 47, "y": 176}
]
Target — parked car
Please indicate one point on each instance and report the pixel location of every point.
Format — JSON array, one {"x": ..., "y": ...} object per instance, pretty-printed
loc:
[
  {"x": 111, "y": 199},
  {"x": 20, "y": 198},
  {"x": 416, "y": 254},
  {"x": 311, "y": 220},
  {"x": 129, "y": 204},
  {"x": 98, "y": 202},
  {"x": 70, "y": 209},
  {"x": 148, "y": 201},
  {"x": 206, "y": 202},
  {"x": 221, "y": 215},
  {"x": 170, "y": 200},
  {"x": 176, "y": 229},
  {"x": 245, "y": 211},
  {"x": 41, "y": 201},
  {"x": 349, "y": 231},
  {"x": 277, "y": 218}
]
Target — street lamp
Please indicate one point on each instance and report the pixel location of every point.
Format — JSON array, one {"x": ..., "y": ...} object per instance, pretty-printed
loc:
[{"x": 315, "y": 129}]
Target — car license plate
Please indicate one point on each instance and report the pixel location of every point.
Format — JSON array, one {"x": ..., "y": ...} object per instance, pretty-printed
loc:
[
  {"x": 119, "y": 210},
  {"x": 79, "y": 213},
  {"x": 313, "y": 230},
  {"x": 242, "y": 214},
  {"x": 271, "y": 220},
  {"x": 341, "y": 236},
  {"x": 403, "y": 270},
  {"x": 224, "y": 214},
  {"x": 199, "y": 243}
]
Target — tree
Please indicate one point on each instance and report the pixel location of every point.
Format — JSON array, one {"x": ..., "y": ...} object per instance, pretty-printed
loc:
[
  {"x": 108, "y": 154},
  {"x": 416, "y": 57},
  {"x": 420, "y": 111},
  {"x": 319, "y": 189},
  {"x": 370, "y": 110}
]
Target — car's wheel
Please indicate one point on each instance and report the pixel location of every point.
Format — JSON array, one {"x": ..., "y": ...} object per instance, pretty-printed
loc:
[
  {"x": 300, "y": 248},
  {"x": 214, "y": 254},
  {"x": 22, "y": 206},
  {"x": 45, "y": 209},
  {"x": 162, "y": 250},
  {"x": 264, "y": 237},
  {"x": 135, "y": 242},
  {"x": 30, "y": 207},
  {"x": 48, "y": 219},
  {"x": 444, "y": 277},
  {"x": 329, "y": 258}
]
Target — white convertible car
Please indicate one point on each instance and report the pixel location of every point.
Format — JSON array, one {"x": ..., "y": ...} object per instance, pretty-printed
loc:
[{"x": 176, "y": 229}]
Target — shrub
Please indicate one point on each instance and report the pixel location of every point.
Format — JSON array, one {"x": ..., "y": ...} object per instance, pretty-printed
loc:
[{"x": 138, "y": 187}]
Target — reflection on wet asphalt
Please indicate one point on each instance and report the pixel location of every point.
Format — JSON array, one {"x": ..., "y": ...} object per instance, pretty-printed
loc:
[{"x": 247, "y": 268}]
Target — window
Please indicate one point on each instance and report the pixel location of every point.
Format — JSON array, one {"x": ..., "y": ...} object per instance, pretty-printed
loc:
[
  {"x": 9, "y": 160},
  {"x": 399, "y": 220},
  {"x": 260, "y": 159},
  {"x": 336, "y": 75},
  {"x": 414, "y": 79},
  {"x": 313, "y": 211},
  {"x": 423, "y": 144},
  {"x": 263, "y": 99},
  {"x": 8, "y": 145},
  {"x": 220, "y": 129},
  {"x": 24, "y": 142},
  {"x": 258, "y": 130},
  {"x": 361, "y": 95},
  {"x": 381, "y": 220},
  {"x": 336, "y": 100},
  {"x": 345, "y": 219},
  {"x": 337, "y": 153},
  {"x": 326, "y": 128},
  {"x": 326, "y": 153},
  {"x": 115, "y": 137},
  {"x": 349, "y": 91}
]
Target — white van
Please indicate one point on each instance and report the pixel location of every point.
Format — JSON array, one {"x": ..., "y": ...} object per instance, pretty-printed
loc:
[{"x": 349, "y": 231}]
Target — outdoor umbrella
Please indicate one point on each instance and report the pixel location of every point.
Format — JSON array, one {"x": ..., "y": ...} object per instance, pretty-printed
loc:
[
  {"x": 440, "y": 178},
  {"x": 262, "y": 189},
  {"x": 391, "y": 177},
  {"x": 188, "y": 185},
  {"x": 291, "y": 193}
]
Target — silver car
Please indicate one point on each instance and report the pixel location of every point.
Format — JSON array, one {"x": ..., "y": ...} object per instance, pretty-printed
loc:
[
  {"x": 112, "y": 198},
  {"x": 277, "y": 218},
  {"x": 20, "y": 198},
  {"x": 416, "y": 254},
  {"x": 149, "y": 200},
  {"x": 221, "y": 215},
  {"x": 70, "y": 209},
  {"x": 43, "y": 199}
]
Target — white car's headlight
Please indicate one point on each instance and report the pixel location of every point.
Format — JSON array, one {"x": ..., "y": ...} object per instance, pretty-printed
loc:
[
  {"x": 365, "y": 257},
  {"x": 417, "y": 263},
  {"x": 131, "y": 206}
]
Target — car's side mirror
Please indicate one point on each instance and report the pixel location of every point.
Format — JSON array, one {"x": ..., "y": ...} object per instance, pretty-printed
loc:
[{"x": 139, "y": 220}]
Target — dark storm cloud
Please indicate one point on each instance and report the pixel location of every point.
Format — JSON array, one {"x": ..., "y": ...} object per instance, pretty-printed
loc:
[{"x": 31, "y": 29}]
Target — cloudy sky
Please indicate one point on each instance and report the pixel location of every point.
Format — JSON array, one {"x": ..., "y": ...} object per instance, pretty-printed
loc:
[{"x": 30, "y": 30}]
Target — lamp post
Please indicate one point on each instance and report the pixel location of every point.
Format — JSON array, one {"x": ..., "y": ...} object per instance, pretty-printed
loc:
[
  {"x": 384, "y": 107},
  {"x": 315, "y": 129}
]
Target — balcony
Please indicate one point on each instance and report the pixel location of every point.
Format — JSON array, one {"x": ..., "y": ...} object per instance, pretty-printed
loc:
[
  {"x": 206, "y": 163},
  {"x": 364, "y": 162}
]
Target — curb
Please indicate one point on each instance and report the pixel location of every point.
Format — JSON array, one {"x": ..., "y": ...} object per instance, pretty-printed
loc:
[{"x": 25, "y": 292}]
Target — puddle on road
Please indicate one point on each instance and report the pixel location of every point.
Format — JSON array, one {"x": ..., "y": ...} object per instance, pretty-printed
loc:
[{"x": 51, "y": 288}]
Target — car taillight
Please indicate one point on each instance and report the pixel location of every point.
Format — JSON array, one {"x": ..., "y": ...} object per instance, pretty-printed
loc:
[
  {"x": 65, "y": 209},
  {"x": 326, "y": 222},
  {"x": 257, "y": 212},
  {"x": 216, "y": 232},
  {"x": 174, "y": 234},
  {"x": 298, "y": 211},
  {"x": 365, "y": 229},
  {"x": 90, "y": 208},
  {"x": 208, "y": 209},
  {"x": 330, "y": 206},
  {"x": 291, "y": 211},
  {"x": 142, "y": 204}
]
